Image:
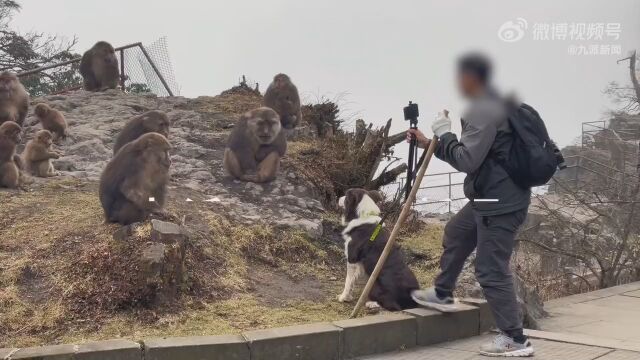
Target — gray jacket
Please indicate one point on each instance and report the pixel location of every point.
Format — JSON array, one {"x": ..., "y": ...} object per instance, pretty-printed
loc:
[{"x": 486, "y": 135}]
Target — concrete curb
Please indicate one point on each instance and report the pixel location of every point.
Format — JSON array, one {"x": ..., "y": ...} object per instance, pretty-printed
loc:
[
  {"x": 377, "y": 334},
  {"x": 339, "y": 340},
  {"x": 232, "y": 347},
  {"x": 435, "y": 327},
  {"x": 487, "y": 322},
  {"x": 319, "y": 341}
]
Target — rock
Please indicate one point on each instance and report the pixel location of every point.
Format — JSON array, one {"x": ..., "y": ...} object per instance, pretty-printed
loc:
[
  {"x": 301, "y": 203},
  {"x": 313, "y": 229},
  {"x": 315, "y": 205},
  {"x": 64, "y": 165},
  {"x": 125, "y": 232},
  {"x": 162, "y": 261},
  {"x": 198, "y": 145}
]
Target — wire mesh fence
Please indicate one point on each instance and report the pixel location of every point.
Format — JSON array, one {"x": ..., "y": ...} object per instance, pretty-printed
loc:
[
  {"x": 143, "y": 69},
  {"x": 150, "y": 74}
]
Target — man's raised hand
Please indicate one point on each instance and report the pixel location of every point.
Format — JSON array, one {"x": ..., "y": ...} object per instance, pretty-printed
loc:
[{"x": 442, "y": 124}]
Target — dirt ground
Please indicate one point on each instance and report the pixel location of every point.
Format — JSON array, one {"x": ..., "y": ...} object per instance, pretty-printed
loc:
[
  {"x": 53, "y": 239},
  {"x": 63, "y": 277}
]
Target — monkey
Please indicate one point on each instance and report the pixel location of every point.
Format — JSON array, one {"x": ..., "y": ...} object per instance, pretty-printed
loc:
[
  {"x": 255, "y": 144},
  {"x": 52, "y": 120},
  {"x": 99, "y": 67},
  {"x": 133, "y": 185},
  {"x": 9, "y": 169},
  {"x": 37, "y": 155},
  {"x": 282, "y": 96},
  {"x": 14, "y": 99},
  {"x": 150, "y": 121}
]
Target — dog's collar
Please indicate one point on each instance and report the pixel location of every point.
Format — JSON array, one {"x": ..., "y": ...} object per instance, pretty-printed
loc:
[
  {"x": 370, "y": 214},
  {"x": 379, "y": 225},
  {"x": 361, "y": 221}
]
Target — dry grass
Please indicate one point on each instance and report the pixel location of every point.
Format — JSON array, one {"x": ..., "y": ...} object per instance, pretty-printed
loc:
[
  {"x": 63, "y": 277},
  {"x": 330, "y": 164},
  {"x": 231, "y": 316},
  {"x": 423, "y": 246},
  {"x": 231, "y": 103}
]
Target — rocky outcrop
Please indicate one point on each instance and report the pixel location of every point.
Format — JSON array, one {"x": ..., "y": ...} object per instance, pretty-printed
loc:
[{"x": 198, "y": 138}]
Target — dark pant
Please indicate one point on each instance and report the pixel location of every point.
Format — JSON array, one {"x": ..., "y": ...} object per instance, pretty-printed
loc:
[{"x": 493, "y": 237}]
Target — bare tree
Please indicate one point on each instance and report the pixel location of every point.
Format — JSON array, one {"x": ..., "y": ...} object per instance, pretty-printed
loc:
[
  {"x": 592, "y": 227},
  {"x": 593, "y": 237},
  {"x": 22, "y": 52}
]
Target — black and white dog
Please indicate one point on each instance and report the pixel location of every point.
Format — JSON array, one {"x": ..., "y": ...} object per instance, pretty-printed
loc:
[{"x": 392, "y": 290}]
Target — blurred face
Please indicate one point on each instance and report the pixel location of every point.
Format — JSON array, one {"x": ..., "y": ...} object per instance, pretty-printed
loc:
[{"x": 468, "y": 84}]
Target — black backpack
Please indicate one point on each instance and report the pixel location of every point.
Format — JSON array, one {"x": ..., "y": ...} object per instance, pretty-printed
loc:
[{"x": 533, "y": 158}]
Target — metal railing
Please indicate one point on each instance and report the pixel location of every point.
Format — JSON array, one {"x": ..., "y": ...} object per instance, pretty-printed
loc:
[
  {"x": 590, "y": 128},
  {"x": 139, "y": 70},
  {"x": 451, "y": 197}
]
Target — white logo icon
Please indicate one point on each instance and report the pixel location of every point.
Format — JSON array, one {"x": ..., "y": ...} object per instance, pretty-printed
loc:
[{"x": 512, "y": 31}]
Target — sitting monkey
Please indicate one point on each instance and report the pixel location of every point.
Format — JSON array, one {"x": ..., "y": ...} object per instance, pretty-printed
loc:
[
  {"x": 9, "y": 166},
  {"x": 14, "y": 99},
  {"x": 133, "y": 185},
  {"x": 52, "y": 120},
  {"x": 37, "y": 155},
  {"x": 282, "y": 96},
  {"x": 99, "y": 67},
  {"x": 255, "y": 146},
  {"x": 150, "y": 121}
]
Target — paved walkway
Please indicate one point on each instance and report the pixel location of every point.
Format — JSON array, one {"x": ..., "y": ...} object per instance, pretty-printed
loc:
[
  {"x": 545, "y": 350},
  {"x": 602, "y": 325},
  {"x": 610, "y": 316}
]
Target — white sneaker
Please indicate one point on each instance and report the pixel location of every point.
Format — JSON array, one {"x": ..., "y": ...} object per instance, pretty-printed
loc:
[
  {"x": 504, "y": 346},
  {"x": 429, "y": 298}
]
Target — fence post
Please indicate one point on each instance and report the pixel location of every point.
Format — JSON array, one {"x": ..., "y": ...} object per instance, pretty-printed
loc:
[
  {"x": 624, "y": 170},
  {"x": 122, "y": 75},
  {"x": 578, "y": 164},
  {"x": 450, "y": 201}
]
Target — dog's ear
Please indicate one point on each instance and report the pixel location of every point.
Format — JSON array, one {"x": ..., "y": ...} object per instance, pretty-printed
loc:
[{"x": 350, "y": 205}]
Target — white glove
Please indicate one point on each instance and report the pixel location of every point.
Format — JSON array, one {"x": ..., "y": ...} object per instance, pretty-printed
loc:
[{"x": 442, "y": 124}]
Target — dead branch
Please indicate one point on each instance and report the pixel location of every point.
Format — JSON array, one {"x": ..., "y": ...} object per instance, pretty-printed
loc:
[
  {"x": 388, "y": 177},
  {"x": 396, "y": 139}
]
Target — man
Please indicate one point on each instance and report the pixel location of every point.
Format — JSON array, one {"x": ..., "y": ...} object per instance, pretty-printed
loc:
[{"x": 496, "y": 209}]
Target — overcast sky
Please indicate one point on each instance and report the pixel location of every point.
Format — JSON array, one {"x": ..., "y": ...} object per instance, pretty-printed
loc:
[{"x": 382, "y": 53}]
